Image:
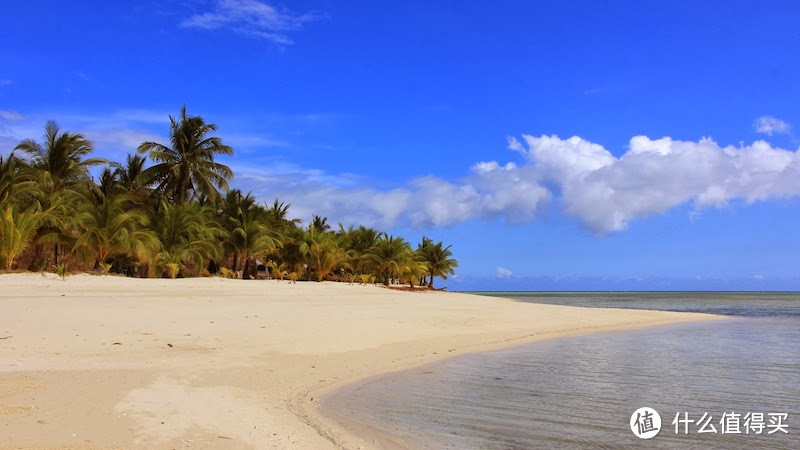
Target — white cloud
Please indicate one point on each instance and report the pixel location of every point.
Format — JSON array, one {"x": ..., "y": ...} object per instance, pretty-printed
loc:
[
  {"x": 120, "y": 140},
  {"x": 604, "y": 192},
  {"x": 422, "y": 202},
  {"x": 251, "y": 18},
  {"x": 502, "y": 272},
  {"x": 653, "y": 176},
  {"x": 770, "y": 125},
  {"x": 10, "y": 115}
]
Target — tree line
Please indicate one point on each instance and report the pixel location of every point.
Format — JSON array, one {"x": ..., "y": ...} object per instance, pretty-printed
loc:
[{"x": 178, "y": 217}]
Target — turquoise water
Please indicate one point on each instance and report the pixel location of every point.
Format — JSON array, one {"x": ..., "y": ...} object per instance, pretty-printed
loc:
[{"x": 580, "y": 392}]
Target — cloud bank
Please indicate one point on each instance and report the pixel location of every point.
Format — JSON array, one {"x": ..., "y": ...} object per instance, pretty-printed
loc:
[
  {"x": 604, "y": 192},
  {"x": 250, "y": 18},
  {"x": 574, "y": 176}
]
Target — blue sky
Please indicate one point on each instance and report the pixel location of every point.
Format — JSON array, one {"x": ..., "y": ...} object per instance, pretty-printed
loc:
[{"x": 556, "y": 145}]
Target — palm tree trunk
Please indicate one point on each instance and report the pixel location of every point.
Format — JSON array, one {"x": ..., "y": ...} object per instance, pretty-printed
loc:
[
  {"x": 246, "y": 265},
  {"x": 55, "y": 253},
  {"x": 430, "y": 283},
  {"x": 235, "y": 261},
  {"x": 37, "y": 257}
]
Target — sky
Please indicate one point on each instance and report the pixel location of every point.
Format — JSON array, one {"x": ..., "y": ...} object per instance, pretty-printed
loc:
[{"x": 557, "y": 145}]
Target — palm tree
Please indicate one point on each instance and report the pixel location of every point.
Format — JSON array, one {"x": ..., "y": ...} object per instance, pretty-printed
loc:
[
  {"x": 108, "y": 183},
  {"x": 187, "y": 167},
  {"x": 413, "y": 271},
  {"x": 234, "y": 206},
  {"x": 249, "y": 237},
  {"x": 17, "y": 230},
  {"x": 130, "y": 173},
  {"x": 130, "y": 177},
  {"x": 187, "y": 234},
  {"x": 389, "y": 255},
  {"x": 59, "y": 164},
  {"x": 320, "y": 223},
  {"x": 323, "y": 252},
  {"x": 61, "y": 157},
  {"x": 438, "y": 258},
  {"x": 16, "y": 183},
  {"x": 279, "y": 212},
  {"x": 107, "y": 226}
]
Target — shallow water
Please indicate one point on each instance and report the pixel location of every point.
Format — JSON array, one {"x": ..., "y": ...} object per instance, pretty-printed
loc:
[{"x": 581, "y": 391}]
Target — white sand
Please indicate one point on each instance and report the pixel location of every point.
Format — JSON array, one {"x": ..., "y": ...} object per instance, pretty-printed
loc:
[{"x": 87, "y": 362}]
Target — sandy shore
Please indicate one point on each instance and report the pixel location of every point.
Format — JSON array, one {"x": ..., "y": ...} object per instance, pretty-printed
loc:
[{"x": 111, "y": 362}]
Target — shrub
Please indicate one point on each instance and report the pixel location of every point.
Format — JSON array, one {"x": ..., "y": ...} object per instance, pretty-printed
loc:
[
  {"x": 61, "y": 270},
  {"x": 173, "y": 269}
]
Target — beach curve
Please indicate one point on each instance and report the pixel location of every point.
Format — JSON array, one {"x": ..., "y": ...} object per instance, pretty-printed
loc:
[{"x": 99, "y": 362}]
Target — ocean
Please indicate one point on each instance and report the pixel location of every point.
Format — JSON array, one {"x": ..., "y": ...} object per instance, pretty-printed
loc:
[{"x": 739, "y": 374}]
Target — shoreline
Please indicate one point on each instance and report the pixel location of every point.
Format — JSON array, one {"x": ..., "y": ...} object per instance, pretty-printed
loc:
[
  {"x": 381, "y": 439},
  {"x": 134, "y": 363},
  {"x": 355, "y": 434}
]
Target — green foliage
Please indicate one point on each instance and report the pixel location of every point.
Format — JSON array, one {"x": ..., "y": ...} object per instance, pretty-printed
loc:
[
  {"x": 186, "y": 168},
  {"x": 61, "y": 157},
  {"x": 246, "y": 232},
  {"x": 188, "y": 235},
  {"x": 413, "y": 271},
  {"x": 16, "y": 181},
  {"x": 61, "y": 270},
  {"x": 172, "y": 269},
  {"x": 389, "y": 256},
  {"x": 177, "y": 217},
  {"x": 323, "y": 252},
  {"x": 106, "y": 226},
  {"x": 438, "y": 258},
  {"x": 17, "y": 229},
  {"x": 278, "y": 270}
]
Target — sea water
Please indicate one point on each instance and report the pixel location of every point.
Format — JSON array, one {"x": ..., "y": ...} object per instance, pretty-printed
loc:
[{"x": 580, "y": 392}]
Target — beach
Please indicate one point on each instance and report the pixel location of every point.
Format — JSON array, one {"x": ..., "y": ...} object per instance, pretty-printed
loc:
[{"x": 114, "y": 362}]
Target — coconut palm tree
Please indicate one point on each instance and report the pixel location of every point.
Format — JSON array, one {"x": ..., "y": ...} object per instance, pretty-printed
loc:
[
  {"x": 108, "y": 183},
  {"x": 61, "y": 157},
  {"x": 130, "y": 173},
  {"x": 130, "y": 177},
  {"x": 413, "y": 271},
  {"x": 249, "y": 237},
  {"x": 16, "y": 182},
  {"x": 320, "y": 223},
  {"x": 107, "y": 226},
  {"x": 187, "y": 167},
  {"x": 187, "y": 233},
  {"x": 279, "y": 212},
  {"x": 234, "y": 207},
  {"x": 323, "y": 252},
  {"x": 60, "y": 164},
  {"x": 17, "y": 230},
  {"x": 389, "y": 255},
  {"x": 438, "y": 258}
]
